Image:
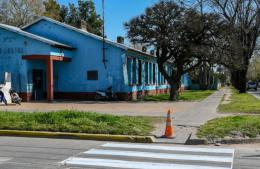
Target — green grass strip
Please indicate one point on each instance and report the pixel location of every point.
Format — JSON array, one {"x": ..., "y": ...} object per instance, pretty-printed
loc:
[
  {"x": 188, "y": 95},
  {"x": 241, "y": 103},
  {"x": 76, "y": 122},
  {"x": 246, "y": 125}
]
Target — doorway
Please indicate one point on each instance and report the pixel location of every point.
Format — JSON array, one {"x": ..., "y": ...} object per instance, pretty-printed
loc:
[{"x": 38, "y": 84}]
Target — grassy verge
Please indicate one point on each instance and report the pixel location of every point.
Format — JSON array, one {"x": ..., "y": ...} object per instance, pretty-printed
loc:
[
  {"x": 233, "y": 126},
  {"x": 188, "y": 95},
  {"x": 241, "y": 103},
  {"x": 76, "y": 122}
]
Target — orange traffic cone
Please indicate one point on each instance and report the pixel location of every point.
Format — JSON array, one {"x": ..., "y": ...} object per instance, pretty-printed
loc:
[{"x": 169, "y": 131}]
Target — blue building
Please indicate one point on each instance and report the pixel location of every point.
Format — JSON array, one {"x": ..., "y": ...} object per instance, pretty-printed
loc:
[{"x": 51, "y": 60}]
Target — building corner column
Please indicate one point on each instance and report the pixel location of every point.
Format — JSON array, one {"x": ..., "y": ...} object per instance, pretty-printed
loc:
[{"x": 49, "y": 75}]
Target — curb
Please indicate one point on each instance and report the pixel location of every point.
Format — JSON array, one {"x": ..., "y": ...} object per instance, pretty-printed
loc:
[
  {"x": 193, "y": 140},
  {"x": 196, "y": 142},
  {"x": 80, "y": 136},
  {"x": 223, "y": 141},
  {"x": 239, "y": 141}
]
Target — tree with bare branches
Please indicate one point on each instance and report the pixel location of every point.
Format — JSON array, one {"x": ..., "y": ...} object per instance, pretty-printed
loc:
[
  {"x": 20, "y": 12},
  {"x": 239, "y": 38}
]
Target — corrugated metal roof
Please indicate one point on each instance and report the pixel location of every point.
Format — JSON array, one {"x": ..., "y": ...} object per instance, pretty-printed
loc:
[
  {"x": 36, "y": 37},
  {"x": 87, "y": 34}
]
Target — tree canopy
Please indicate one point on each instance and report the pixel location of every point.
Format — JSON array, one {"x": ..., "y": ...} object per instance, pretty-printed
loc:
[
  {"x": 20, "y": 12},
  {"x": 80, "y": 15},
  {"x": 238, "y": 40},
  {"x": 186, "y": 34},
  {"x": 180, "y": 36},
  {"x": 52, "y": 10}
]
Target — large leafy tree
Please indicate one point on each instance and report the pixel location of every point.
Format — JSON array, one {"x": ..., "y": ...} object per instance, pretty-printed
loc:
[
  {"x": 52, "y": 10},
  {"x": 82, "y": 15},
  {"x": 87, "y": 13},
  {"x": 181, "y": 37},
  {"x": 73, "y": 18},
  {"x": 20, "y": 12},
  {"x": 63, "y": 13}
]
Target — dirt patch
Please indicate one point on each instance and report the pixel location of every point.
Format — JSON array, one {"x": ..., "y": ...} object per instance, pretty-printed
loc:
[{"x": 227, "y": 97}]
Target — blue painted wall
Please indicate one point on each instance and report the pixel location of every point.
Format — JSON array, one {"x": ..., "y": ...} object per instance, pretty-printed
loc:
[
  {"x": 12, "y": 47},
  {"x": 72, "y": 77},
  {"x": 147, "y": 76},
  {"x": 87, "y": 56},
  {"x": 186, "y": 80}
]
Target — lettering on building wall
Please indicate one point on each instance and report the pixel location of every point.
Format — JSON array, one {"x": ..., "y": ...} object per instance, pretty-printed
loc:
[
  {"x": 7, "y": 39},
  {"x": 11, "y": 50}
]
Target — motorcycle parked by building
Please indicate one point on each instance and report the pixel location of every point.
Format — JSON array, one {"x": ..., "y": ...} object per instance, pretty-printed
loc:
[
  {"x": 15, "y": 97},
  {"x": 108, "y": 94}
]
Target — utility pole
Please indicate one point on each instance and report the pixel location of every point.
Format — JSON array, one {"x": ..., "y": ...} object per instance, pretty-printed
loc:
[{"x": 103, "y": 34}]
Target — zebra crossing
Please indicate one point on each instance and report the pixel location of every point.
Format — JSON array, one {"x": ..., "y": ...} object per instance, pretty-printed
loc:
[{"x": 150, "y": 156}]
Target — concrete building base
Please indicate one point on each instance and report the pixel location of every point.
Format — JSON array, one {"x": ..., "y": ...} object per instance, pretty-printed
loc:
[{"x": 124, "y": 96}]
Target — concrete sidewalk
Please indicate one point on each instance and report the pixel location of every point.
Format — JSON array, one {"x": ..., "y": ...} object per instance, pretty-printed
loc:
[
  {"x": 186, "y": 123},
  {"x": 188, "y": 116},
  {"x": 156, "y": 109}
]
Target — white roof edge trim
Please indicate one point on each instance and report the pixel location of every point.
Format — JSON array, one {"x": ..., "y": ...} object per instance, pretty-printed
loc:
[
  {"x": 122, "y": 46},
  {"x": 74, "y": 29},
  {"x": 33, "y": 36}
]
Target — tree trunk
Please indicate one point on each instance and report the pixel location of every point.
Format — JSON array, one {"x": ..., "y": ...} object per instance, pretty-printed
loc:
[
  {"x": 174, "y": 91},
  {"x": 204, "y": 77},
  {"x": 239, "y": 80}
]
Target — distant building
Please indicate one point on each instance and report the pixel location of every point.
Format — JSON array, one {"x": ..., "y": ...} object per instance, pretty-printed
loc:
[{"x": 51, "y": 60}]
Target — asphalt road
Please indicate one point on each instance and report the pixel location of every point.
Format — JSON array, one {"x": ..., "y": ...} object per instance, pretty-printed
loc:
[
  {"x": 42, "y": 153},
  {"x": 255, "y": 93}
]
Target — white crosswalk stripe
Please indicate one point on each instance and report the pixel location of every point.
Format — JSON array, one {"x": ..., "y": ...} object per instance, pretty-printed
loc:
[
  {"x": 169, "y": 148},
  {"x": 4, "y": 159},
  {"x": 147, "y": 156}
]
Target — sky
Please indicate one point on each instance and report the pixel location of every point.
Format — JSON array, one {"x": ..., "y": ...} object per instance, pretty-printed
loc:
[{"x": 117, "y": 12}]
